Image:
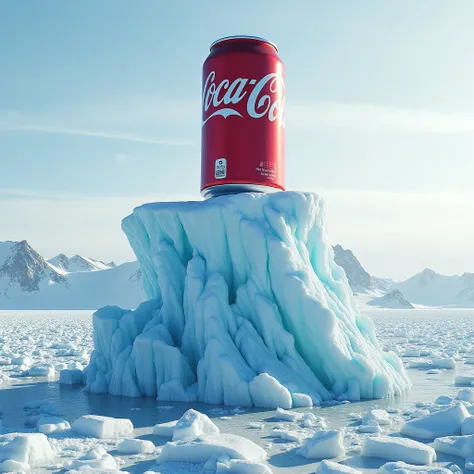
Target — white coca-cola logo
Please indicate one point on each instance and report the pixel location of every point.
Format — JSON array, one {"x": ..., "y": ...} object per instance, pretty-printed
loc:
[{"x": 259, "y": 103}]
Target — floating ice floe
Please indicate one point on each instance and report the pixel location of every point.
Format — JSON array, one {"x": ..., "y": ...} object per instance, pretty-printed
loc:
[
  {"x": 370, "y": 426},
  {"x": 52, "y": 424},
  {"x": 441, "y": 363},
  {"x": 238, "y": 466},
  {"x": 102, "y": 426},
  {"x": 95, "y": 458},
  {"x": 462, "y": 446},
  {"x": 398, "y": 449},
  {"x": 202, "y": 448},
  {"x": 165, "y": 429},
  {"x": 466, "y": 394},
  {"x": 136, "y": 446},
  {"x": 330, "y": 467},
  {"x": 377, "y": 415},
  {"x": 42, "y": 370},
  {"x": 192, "y": 424},
  {"x": 401, "y": 467},
  {"x": 463, "y": 380},
  {"x": 287, "y": 415},
  {"x": 444, "y": 400},
  {"x": 441, "y": 423},
  {"x": 288, "y": 435},
  {"x": 28, "y": 449},
  {"x": 323, "y": 444},
  {"x": 250, "y": 309}
]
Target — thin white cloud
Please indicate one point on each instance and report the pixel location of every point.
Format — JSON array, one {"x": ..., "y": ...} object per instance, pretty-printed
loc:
[
  {"x": 130, "y": 137},
  {"x": 378, "y": 118}
]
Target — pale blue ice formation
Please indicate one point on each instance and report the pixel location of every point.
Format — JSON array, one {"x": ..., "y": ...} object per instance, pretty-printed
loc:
[{"x": 247, "y": 307}]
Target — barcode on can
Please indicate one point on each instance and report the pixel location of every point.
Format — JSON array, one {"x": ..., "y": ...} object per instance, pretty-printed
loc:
[{"x": 220, "y": 170}]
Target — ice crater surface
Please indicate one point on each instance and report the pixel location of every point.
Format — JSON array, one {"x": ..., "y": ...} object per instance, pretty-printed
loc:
[{"x": 247, "y": 307}]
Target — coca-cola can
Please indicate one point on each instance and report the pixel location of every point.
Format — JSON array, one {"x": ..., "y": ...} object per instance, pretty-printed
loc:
[{"x": 243, "y": 128}]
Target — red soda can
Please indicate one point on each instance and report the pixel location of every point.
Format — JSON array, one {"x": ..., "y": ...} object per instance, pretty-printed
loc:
[{"x": 243, "y": 129}]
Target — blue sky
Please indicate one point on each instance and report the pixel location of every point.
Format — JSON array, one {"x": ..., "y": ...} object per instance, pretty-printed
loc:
[{"x": 100, "y": 111}]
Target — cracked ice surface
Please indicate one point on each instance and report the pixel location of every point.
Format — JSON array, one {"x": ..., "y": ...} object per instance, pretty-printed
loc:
[{"x": 247, "y": 308}]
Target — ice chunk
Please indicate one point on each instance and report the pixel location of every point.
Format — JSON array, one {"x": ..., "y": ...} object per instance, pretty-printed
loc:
[
  {"x": 323, "y": 444},
  {"x": 239, "y": 466},
  {"x": 401, "y": 467},
  {"x": 288, "y": 435},
  {"x": 288, "y": 415},
  {"x": 22, "y": 360},
  {"x": 462, "y": 446},
  {"x": 371, "y": 426},
  {"x": 102, "y": 426},
  {"x": 301, "y": 400},
  {"x": 463, "y": 380},
  {"x": 193, "y": 423},
  {"x": 70, "y": 376},
  {"x": 42, "y": 370},
  {"x": 398, "y": 449},
  {"x": 165, "y": 429},
  {"x": 267, "y": 392},
  {"x": 95, "y": 458},
  {"x": 201, "y": 448},
  {"x": 250, "y": 309},
  {"x": 466, "y": 394},
  {"x": 32, "y": 448},
  {"x": 469, "y": 464},
  {"x": 467, "y": 427},
  {"x": 330, "y": 467},
  {"x": 380, "y": 416},
  {"x": 440, "y": 423},
  {"x": 446, "y": 363},
  {"x": 444, "y": 400},
  {"x": 85, "y": 469},
  {"x": 136, "y": 446},
  {"x": 52, "y": 424},
  {"x": 310, "y": 420}
]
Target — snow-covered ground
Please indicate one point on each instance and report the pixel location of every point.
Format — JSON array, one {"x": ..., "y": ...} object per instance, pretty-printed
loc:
[{"x": 437, "y": 346}]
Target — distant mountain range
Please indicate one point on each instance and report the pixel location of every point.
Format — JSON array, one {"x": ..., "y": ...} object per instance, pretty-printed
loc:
[
  {"x": 28, "y": 281},
  {"x": 431, "y": 288},
  {"x": 426, "y": 288},
  {"x": 78, "y": 263}
]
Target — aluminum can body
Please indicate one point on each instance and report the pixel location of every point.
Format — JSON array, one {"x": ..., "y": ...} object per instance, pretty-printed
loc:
[{"x": 243, "y": 128}]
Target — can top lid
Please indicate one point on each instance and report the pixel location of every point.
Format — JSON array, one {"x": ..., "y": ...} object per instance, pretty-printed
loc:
[{"x": 244, "y": 37}]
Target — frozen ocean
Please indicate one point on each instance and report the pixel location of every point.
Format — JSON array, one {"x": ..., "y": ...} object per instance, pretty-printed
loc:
[{"x": 436, "y": 347}]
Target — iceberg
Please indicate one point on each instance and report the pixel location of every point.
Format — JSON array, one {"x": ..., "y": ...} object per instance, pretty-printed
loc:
[{"x": 247, "y": 307}]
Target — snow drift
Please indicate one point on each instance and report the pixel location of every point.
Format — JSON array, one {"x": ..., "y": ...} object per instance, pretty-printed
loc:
[{"x": 247, "y": 308}]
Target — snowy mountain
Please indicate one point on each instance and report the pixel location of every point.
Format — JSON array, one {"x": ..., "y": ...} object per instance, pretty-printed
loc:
[
  {"x": 432, "y": 289},
  {"x": 360, "y": 280},
  {"x": 78, "y": 263},
  {"x": 28, "y": 281},
  {"x": 394, "y": 299},
  {"x": 24, "y": 269}
]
